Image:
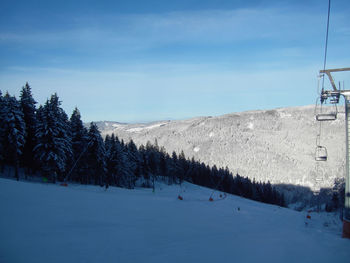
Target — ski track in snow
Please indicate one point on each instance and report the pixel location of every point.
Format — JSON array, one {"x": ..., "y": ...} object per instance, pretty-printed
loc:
[{"x": 50, "y": 223}]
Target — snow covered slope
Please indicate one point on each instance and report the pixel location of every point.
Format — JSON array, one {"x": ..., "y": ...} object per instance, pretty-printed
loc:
[
  {"x": 276, "y": 145},
  {"x": 51, "y": 223}
]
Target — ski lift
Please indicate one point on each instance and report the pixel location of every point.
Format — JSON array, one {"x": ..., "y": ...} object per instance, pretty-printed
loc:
[
  {"x": 329, "y": 113},
  {"x": 326, "y": 117},
  {"x": 321, "y": 153}
]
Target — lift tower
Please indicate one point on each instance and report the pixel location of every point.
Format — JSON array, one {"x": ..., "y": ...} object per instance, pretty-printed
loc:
[{"x": 334, "y": 98}]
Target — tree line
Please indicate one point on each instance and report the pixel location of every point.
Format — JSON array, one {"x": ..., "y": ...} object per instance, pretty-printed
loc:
[{"x": 44, "y": 141}]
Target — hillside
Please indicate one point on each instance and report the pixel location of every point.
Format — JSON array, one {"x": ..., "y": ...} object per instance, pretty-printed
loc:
[
  {"x": 50, "y": 223},
  {"x": 276, "y": 145}
]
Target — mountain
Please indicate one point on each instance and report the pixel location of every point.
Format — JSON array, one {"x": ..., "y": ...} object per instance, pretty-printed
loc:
[
  {"x": 84, "y": 223},
  {"x": 275, "y": 145}
]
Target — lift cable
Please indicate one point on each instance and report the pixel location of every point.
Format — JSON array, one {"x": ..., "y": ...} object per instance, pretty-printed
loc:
[
  {"x": 326, "y": 45},
  {"x": 321, "y": 149}
]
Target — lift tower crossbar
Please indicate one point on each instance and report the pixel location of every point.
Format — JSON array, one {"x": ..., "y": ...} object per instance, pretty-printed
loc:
[{"x": 328, "y": 73}]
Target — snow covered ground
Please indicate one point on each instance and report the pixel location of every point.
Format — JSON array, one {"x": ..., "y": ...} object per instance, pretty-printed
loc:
[{"x": 51, "y": 223}]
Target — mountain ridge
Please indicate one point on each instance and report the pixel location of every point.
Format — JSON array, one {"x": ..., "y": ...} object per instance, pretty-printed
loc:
[{"x": 276, "y": 145}]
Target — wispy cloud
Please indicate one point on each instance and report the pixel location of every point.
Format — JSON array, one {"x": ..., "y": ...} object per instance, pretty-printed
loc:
[{"x": 215, "y": 26}]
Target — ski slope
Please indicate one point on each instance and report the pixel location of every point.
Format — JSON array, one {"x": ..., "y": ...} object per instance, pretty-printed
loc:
[{"x": 50, "y": 223}]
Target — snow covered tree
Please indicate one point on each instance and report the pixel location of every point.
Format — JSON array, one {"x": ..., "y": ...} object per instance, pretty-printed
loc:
[
  {"x": 134, "y": 157},
  {"x": 13, "y": 131},
  {"x": 96, "y": 156},
  {"x": 123, "y": 166},
  {"x": 53, "y": 142},
  {"x": 163, "y": 169},
  {"x": 109, "y": 147},
  {"x": 29, "y": 111},
  {"x": 172, "y": 168},
  {"x": 79, "y": 140},
  {"x": 183, "y": 167}
]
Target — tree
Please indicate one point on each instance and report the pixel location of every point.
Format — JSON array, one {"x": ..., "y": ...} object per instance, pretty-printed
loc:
[
  {"x": 79, "y": 140},
  {"x": 109, "y": 148},
  {"x": 13, "y": 131},
  {"x": 29, "y": 112},
  {"x": 53, "y": 147},
  {"x": 96, "y": 156},
  {"x": 118, "y": 164},
  {"x": 172, "y": 168},
  {"x": 122, "y": 165},
  {"x": 183, "y": 167},
  {"x": 134, "y": 158},
  {"x": 163, "y": 163}
]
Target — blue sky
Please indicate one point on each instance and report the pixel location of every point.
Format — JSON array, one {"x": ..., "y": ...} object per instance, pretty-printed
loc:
[{"x": 133, "y": 61}]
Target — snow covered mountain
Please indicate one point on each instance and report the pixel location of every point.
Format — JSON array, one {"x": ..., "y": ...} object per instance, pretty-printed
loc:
[
  {"x": 79, "y": 223},
  {"x": 276, "y": 145}
]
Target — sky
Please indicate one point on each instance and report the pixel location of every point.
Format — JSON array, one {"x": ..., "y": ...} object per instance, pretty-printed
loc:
[{"x": 141, "y": 61}]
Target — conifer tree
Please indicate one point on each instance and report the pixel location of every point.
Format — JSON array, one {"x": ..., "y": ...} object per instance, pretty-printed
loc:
[
  {"x": 13, "y": 131},
  {"x": 29, "y": 111},
  {"x": 96, "y": 156},
  {"x": 125, "y": 176},
  {"x": 163, "y": 163},
  {"x": 133, "y": 155},
  {"x": 53, "y": 142},
  {"x": 183, "y": 167},
  {"x": 110, "y": 171},
  {"x": 134, "y": 158},
  {"x": 172, "y": 167},
  {"x": 79, "y": 140}
]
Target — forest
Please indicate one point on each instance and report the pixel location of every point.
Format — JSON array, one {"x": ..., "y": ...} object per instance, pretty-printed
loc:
[{"x": 45, "y": 143}]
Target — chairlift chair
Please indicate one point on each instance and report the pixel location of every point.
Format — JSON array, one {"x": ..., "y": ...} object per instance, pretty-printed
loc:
[
  {"x": 326, "y": 116},
  {"x": 321, "y": 153},
  {"x": 330, "y": 114}
]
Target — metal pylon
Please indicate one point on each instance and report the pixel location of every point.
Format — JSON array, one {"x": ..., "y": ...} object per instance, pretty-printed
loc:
[{"x": 336, "y": 93}]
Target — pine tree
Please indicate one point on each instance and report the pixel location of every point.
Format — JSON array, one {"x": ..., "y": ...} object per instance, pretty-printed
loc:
[
  {"x": 13, "y": 131},
  {"x": 125, "y": 176},
  {"x": 183, "y": 166},
  {"x": 134, "y": 158},
  {"x": 96, "y": 156},
  {"x": 29, "y": 111},
  {"x": 129, "y": 165},
  {"x": 53, "y": 147},
  {"x": 163, "y": 163},
  {"x": 79, "y": 140},
  {"x": 110, "y": 171},
  {"x": 173, "y": 169},
  {"x": 117, "y": 162}
]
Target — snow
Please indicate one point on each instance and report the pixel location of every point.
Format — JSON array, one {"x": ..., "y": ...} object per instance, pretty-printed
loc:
[
  {"x": 250, "y": 126},
  {"x": 51, "y": 223},
  {"x": 156, "y": 125},
  {"x": 137, "y": 129},
  {"x": 146, "y": 127},
  {"x": 196, "y": 149}
]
